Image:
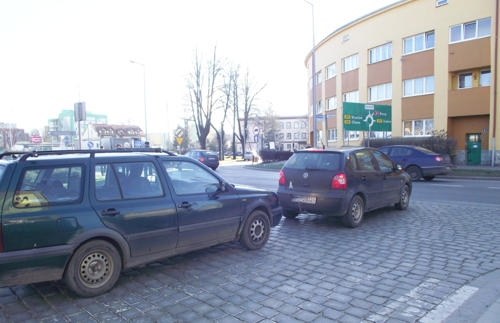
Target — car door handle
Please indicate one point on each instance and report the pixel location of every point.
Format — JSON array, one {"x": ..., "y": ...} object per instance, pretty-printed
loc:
[
  {"x": 110, "y": 212},
  {"x": 185, "y": 205}
]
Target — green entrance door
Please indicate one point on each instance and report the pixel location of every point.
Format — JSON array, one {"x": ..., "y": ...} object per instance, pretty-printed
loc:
[{"x": 473, "y": 142}]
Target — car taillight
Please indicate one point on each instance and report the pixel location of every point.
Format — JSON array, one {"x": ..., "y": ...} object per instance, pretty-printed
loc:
[
  {"x": 339, "y": 181},
  {"x": 439, "y": 158},
  {"x": 202, "y": 159},
  {"x": 282, "y": 178}
]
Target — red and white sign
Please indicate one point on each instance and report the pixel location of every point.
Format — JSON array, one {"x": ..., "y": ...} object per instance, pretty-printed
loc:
[{"x": 36, "y": 139}]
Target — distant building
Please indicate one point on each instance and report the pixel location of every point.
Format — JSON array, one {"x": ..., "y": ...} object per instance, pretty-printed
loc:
[
  {"x": 292, "y": 133},
  {"x": 63, "y": 130},
  {"x": 112, "y": 136},
  {"x": 10, "y": 135}
]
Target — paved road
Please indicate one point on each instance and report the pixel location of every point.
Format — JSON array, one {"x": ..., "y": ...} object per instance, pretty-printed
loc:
[
  {"x": 399, "y": 266},
  {"x": 440, "y": 189}
]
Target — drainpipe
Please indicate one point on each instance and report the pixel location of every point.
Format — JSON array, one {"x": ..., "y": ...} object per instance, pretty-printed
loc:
[{"x": 495, "y": 85}]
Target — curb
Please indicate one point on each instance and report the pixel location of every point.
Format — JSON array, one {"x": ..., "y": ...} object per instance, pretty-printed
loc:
[{"x": 487, "y": 178}]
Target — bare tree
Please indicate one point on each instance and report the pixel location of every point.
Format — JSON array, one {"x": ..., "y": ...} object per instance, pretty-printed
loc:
[
  {"x": 203, "y": 97},
  {"x": 243, "y": 113},
  {"x": 224, "y": 108}
]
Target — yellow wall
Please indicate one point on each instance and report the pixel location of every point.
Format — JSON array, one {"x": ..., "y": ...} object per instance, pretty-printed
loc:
[{"x": 393, "y": 24}]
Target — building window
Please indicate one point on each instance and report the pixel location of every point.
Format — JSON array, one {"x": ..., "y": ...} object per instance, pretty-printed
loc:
[
  {"x": 465, "y": 81},
  {"x": 331, "y": 71},
  {"x": 381, "y": 53},
  {"x": 419, "y": 86},
  {"x": 380, "y": 92},
  {"x": 351, "y": 96},
  {"x": 303, "y": 124},
  {"x": 440, "y": 3},
  {"x": 470, "y": 30},
  {"x": 296, "y": 125},
  {"x": 419, "y": 42},
  {"x": 282, "y": 136},
  {"x": 418, "y": 128},
  {"x": 331, "y": 103},
  {"x": 319, "y": 77},
  {"x": 288, "y": 135},
  {"x": 319, "y": 140},
  {"x": 282, "y": 125},
  {"x": 350, "y": 63},
  {"x": 304, "y": 135},
  {"x": 296, "y": 135},
  {"x": 288, "y": 146},
  {"x": 485, "y": 78},
  {"x": 288, "y": 125},
  {"x": 332, "y": 134},
  {"x": 319, "y": 107}
]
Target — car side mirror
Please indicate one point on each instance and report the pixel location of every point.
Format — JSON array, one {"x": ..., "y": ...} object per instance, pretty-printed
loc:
[{"x": 398, "y": 167}]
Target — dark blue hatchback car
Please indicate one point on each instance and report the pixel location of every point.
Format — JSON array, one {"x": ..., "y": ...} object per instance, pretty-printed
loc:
[
  {"x": 418, "y": 161},
  {"x": 342, "y": 182}
]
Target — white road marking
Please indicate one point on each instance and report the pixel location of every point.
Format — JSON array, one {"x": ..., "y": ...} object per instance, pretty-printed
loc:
[
  {"x": 448, "y": 185},
  {"x": 494, "y": 188},
  {"x": 450, "y": 305}
]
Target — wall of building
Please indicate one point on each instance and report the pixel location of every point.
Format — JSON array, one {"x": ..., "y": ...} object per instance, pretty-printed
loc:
[{"x": 393, "y": 24}]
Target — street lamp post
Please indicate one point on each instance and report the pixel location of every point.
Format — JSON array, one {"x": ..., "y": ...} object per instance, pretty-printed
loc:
[
  {"x": 313, "y": 56},
  {"x": 145, "y": 110}
]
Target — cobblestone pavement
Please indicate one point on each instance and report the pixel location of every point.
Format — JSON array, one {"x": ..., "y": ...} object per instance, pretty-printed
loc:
[{"x": 396, "y": 267}]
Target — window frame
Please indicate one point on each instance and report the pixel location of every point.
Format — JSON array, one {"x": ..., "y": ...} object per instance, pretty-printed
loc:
[
  {"x": 465, "y": 75},
  {"x": 346, "y": 93},
  {"x": 424, "y": 34},
  {"x": 349, "y": 59},
  {"x": 481, "y": 73},
  {"x": 424, "y": 86},
  {"x": 335, "y": 138},
  {"x": 328, "y": 69},
  {"x": 50, "y": 204},
  {"x": 335, "y": 103},
  {"x": 462, "y": 31},
  {"x": 382, "y": 47},
  {"x": 164, "y": 160},
  {"x": 424, "y": 127},
  {"x": 386, "y": 98}
]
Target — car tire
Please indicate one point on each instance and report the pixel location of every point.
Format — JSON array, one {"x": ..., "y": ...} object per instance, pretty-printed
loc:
[
  {"x": 428, "y": 178},
  {"x": 290, "y": 214},
  {"x": 355, "y": 212},
  {"x": 93, "y": 269},
  {"x": 414, "y": 172},
  {"x": 256, "y": 230},
  {"x": 404, "y": 198}
]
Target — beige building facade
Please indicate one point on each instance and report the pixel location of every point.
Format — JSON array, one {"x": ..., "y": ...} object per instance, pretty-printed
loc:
[{"x": 433, "y": 61}]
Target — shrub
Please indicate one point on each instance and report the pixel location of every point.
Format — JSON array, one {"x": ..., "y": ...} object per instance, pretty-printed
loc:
[
  {"x": 274, "y": 155},
  {"x": 438, "y": 142}
]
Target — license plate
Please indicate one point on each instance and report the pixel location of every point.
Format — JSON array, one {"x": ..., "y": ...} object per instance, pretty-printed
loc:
[{"x": 305, "y": 199}]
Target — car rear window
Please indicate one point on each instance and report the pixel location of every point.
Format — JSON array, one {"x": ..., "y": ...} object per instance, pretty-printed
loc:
[
  {"x": 314, "y": 160},
  {"x": 425, "y": 150}
]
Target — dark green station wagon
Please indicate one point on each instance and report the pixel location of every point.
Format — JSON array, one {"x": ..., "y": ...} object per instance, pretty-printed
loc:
[{"x": 83, "y": 216}]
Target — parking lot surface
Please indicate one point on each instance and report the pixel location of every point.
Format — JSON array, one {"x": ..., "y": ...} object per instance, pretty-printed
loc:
[{"x": 397, "y": 266}]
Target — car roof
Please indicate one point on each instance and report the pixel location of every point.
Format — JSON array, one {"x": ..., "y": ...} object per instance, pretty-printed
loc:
[{"x": 340, "y": 149}]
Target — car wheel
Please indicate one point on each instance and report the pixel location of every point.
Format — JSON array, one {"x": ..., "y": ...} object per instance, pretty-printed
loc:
[
  {"x": 414, "y": 172},
  {"x": 404, "y": 198},
  {"x": 428, "y": 178},
  {"x": 290, "y": 214},
  {"x": 256, "y": 230},
  {"x": 93, "y": 269},
  {"x": 355, "y": 212}
]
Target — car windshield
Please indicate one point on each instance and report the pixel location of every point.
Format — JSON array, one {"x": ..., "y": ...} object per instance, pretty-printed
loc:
[
  {"x": 425, "y": 150},
  {"x": 314, "y": 160}
]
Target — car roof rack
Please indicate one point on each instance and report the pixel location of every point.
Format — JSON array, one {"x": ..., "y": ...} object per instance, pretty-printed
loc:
[
  {"x": 12, "y": 154},
  {"x": 25, "y": 155}
]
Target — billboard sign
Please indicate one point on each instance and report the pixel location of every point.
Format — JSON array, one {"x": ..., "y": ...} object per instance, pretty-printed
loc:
[{"x": 366, "y": 117}]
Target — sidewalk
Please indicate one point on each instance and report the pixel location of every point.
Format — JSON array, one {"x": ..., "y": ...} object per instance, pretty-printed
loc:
[{"x": 474, "y": 172}]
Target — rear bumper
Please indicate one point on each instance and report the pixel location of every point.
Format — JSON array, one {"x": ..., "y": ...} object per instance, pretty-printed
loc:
[
  {"x": 436, "y": 170},
  {"x": 332, "y": 203}
]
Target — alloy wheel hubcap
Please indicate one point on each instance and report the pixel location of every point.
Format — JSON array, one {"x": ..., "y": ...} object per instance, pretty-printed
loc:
[
  {"x": 356, "y": 211},
  {"x": 257, "y": 230},
  {"x": 404, "y": 196},
  {"x": 95, "y": 269}
]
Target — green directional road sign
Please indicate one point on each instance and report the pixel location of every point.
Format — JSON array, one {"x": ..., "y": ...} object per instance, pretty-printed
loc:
[{"x": 359, "y": 117}]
